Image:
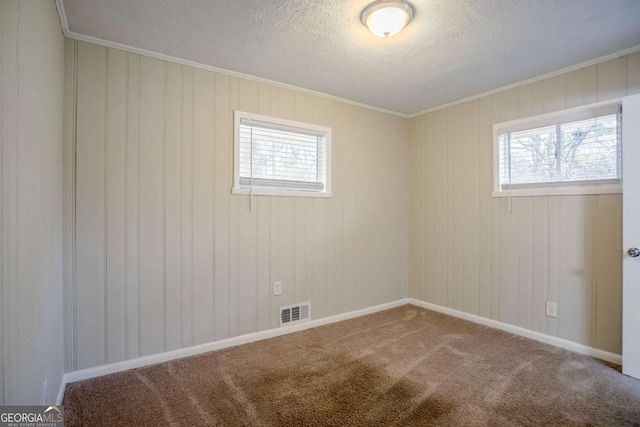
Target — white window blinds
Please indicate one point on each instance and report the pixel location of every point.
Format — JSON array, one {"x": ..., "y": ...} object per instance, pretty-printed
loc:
[
  {"x": 275, "y": 154},
  {"x": 584, "y": 151}
]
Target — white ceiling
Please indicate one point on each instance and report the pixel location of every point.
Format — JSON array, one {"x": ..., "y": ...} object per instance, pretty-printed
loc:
[{"x": 452, "y": 50}]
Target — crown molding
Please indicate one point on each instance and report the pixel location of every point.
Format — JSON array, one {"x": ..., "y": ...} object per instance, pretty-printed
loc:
[
  {"x": 156, "y": 55},
  {"x": 89, "y": 39},
  {"x": 585, "y": 64}
]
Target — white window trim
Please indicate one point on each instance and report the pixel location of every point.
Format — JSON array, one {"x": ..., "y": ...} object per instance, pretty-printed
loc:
[
  {"x": 239, "y": 115},
  {"x": 552, "y": 188}
]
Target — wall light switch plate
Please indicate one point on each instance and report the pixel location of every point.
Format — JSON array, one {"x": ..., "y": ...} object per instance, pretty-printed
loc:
[
  {"x": 277, "y": 288},
  {"x": 551, "y": 309}
]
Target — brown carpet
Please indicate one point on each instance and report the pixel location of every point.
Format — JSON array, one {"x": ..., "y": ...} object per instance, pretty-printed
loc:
[{"x": 401, "y": 367}]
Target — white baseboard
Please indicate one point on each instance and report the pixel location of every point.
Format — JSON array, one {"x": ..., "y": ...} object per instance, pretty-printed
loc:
[
  {"x": 99, "y": 371},
  {"x": 153, "y": 359},
  {"x": 547, "y": 339}
]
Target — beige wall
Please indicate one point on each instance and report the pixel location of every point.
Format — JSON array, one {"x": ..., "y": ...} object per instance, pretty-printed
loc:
[
  {"x": 31, "y": 74},
  {"x": 469, "y": 253},
  {"x": 166, "y": 257}
]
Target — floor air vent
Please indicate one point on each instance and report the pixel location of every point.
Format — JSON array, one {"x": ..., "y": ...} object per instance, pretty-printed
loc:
[{"x": 295, "y": 313}]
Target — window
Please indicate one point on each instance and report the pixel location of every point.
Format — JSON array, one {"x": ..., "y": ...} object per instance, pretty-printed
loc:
[
  {"x": 576, "y": 151},
  {"x": 277, "y": 157}
]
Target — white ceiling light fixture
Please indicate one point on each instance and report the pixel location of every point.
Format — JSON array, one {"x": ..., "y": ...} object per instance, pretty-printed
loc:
[{"x": 385, "y": 18}]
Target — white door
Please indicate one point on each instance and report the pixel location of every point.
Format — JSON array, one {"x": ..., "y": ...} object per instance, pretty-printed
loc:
[{"x": 631, "y": 236}]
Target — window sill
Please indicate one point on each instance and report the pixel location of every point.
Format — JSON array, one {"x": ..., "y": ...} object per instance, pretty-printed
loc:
[
  {"x": 574, "y": 190},
  {"x": 282, "y": 193}
]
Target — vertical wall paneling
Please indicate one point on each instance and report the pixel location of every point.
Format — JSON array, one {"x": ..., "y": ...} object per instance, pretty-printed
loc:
[
  {"x": 9, "y": 31},
  {"x": 274, "y": 263},
  {"x": 431, "y": 248},
  {"x": 151, "y": 206},
  {"x": 581, "y": 87},
  {"x": 247, "y": 233},
  {"x": 222, "y": 185},
  {"x": 132, "y": 178},
  {"x": 439, "y": 153},
  {"x": 485, "y": 246},
  {"x": 470, "y": 199},
  {"x": 553, "y": 279},
  {"x": 318, "y": 235},
  {"x": 349, "y": 239},
  {"x": 608, "y": 275},
  {"x": 337, "y": 215},
  {"x": 274, "y": 221},
  {"x": 525, "y": 237},
  {"x": 169, "y": 258},
  {"x": 235, "y": 204},
  {"x": 571, "y": 268},
  {"x": 369, "y": 240},
  {"x": 451, "y": 260},
  {"x": 172, "y": 205},
  {"x": 116, "y": 62},
  {"x": 300, "y": 224},
  {"x": 264, "y": 284},
  {"x": 612, "y": 78},
  {"x": 633, "y": 73},
  {"x": 34, "y": 188},
  {"x": 588, "y": 325},
  {"x": 419, "y": 231},
  {"x": 203, "y": 205},
  {"x": 186, "y": 208},
  {"x": 414, "y": 208},
  {"x": 457, "y": 159},
  {"x": 539, "y": 262},
  {"x": 506, "y": 108},
  {"x": 286, "y": 216},
  {"x": 494, "y": 281},
  {"x": 69, "y": 161},
  {"x": 502, "y": 258},
  {"x": 90, "y": 202},
  {"x": 509, "y": 260}
]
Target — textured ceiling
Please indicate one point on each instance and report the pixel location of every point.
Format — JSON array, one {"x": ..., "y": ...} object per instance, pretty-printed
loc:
[{"x": 453, "y": 49}]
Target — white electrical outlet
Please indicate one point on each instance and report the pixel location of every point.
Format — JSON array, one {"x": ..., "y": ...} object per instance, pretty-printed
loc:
[
  {"x": 45, "y": 392},
  {"x": 551, "y": 309},
  {"x": 277, "y": 288}
]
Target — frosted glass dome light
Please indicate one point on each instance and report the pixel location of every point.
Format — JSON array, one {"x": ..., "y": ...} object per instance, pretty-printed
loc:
[{"x": 385, "y": 18}]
